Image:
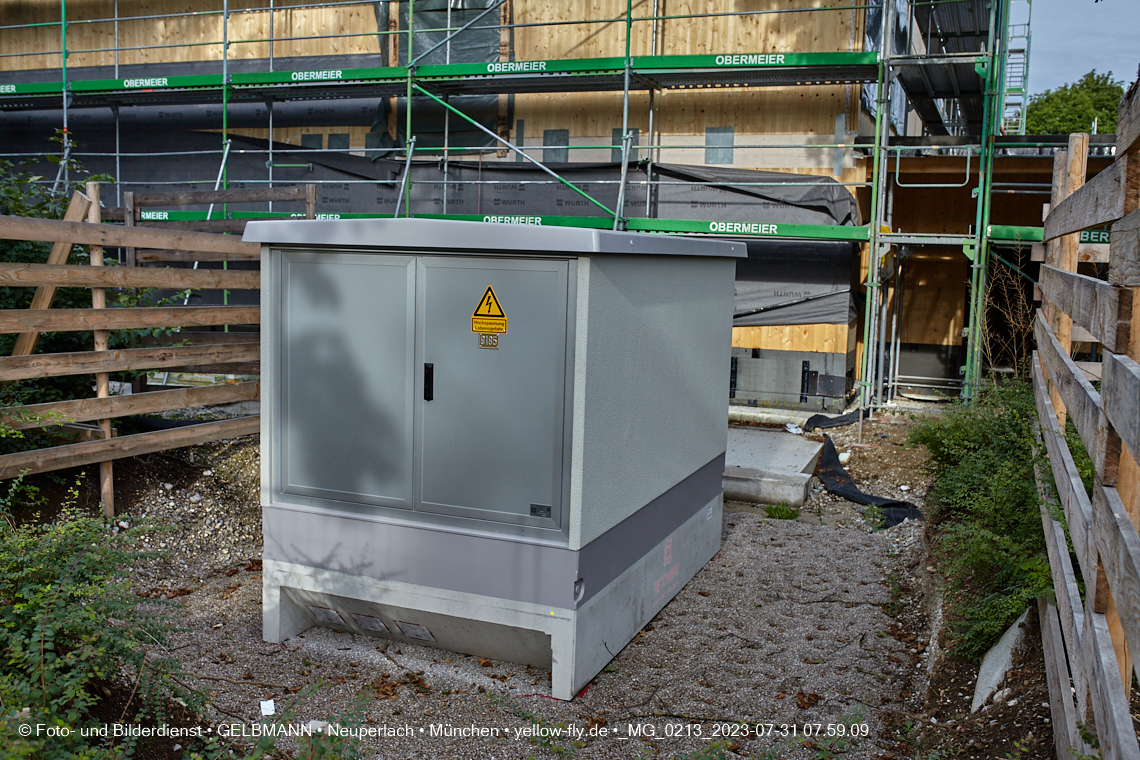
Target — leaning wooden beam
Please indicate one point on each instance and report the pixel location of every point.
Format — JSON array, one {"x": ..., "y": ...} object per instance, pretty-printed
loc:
[
  {"x": 1066, "y": 477},
  {"x": 232, "y": 195},
  {"x": 1124, "y": 252},
  {"x": 42, "y": 298},
  {"x": 81, "y": 454},
  {"x": 1120, "y": 394},
  {"x": 21, "y": 228},
  {"x": 83, "y": 410},
  {"x": 122, "y": 360},
  {"x": 1100, "y": 201},
  {"x": 1104, "y": 310},
  {"x": 73, "y": 320},
  {"x": 27, "y": 275},
  {"x": 152, "y": 256},
  {"x": 1080, "y": 398}
]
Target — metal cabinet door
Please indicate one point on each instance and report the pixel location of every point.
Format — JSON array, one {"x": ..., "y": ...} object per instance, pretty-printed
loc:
[
  {"x": 347, "y": 377},
  {"x": 490, "y": 439}
]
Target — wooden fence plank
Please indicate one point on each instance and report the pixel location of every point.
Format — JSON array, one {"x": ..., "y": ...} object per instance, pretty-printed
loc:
[
  {"x": 121, "y": 360},
  {"x": 1110, "y": 705},
  {"x": 1065, "y": 589},
  {"x": 21, "y": 228},
  {"x": 1104, "y": 310},
  {"x": 1080, "y": 398},
  {"x": 77, "y": 210},
  {"x": 154, "y": 256},
  {"x": 1128, "y": 122},
  {"x": 27, "y": 275},
  {"x": 1120, "y": 394},
  {"x": 1101, "y": 200},
  {"x": 236, "y": 368},
  {"x": 1124, "y": 252},
  {"x": 1061, "y": 707},
  {"x": 81, "y": 454},
  {"x": 82, "y": 410},
  {"x": 1066, "y": 477},
  {"x": 73, "y": 320},
  {"x": 1119, "y": 547},
  {"x": 231, "y": 195}
]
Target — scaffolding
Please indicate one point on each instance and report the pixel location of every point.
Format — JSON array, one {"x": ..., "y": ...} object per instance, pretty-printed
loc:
[{"x": 953, "y": 63}]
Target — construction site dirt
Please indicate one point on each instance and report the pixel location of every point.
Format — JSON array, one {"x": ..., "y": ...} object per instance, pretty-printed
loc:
[{"x": 813, "y": 637}]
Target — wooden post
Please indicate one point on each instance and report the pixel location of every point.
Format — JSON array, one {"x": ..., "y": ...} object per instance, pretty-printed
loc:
[
  {"x": 76, "y": 212},
  {"x": 129, "y": 220},
  {"x": 310, "y": 201},
  {"x": 102, "y": 379},
  {"x": 1068, "y": 175}
]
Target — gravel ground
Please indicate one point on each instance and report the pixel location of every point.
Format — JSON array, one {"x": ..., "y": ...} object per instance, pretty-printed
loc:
[{"x": 788, "y": 629}]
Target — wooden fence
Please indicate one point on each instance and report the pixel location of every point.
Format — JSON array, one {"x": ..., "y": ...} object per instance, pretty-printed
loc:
[
  {"x": 1089, "y": 642},
  {"x": 215, "y": 352}
]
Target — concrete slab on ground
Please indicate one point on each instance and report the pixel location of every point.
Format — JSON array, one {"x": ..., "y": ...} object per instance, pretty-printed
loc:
[{"x": 768, "y": 466}]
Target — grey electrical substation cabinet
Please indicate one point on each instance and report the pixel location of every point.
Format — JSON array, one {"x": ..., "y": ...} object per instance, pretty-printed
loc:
[{"x": 499, "y": 439}]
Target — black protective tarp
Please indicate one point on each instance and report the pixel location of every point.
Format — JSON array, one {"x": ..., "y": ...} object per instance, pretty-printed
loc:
[
  {"x": 771, "y": 196},
  {"x": 794, "y": 282},
  {"x": 838, "y": 481}
]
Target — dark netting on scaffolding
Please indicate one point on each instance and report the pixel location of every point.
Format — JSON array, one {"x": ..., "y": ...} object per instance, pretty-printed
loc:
[
  {"x": 723, "y": 192},
  {"x": 795, "y": 282},
  {"x": 478, "y": 44}
]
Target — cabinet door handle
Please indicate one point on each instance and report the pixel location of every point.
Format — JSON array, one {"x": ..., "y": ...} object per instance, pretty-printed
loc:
[{"x": 429, "y": 382}]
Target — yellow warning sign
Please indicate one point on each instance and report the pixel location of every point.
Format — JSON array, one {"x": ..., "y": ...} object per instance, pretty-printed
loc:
[{"x": 489, "y": 316}]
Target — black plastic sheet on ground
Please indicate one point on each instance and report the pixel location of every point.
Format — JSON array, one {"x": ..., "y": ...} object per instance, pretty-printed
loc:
[
  {"x": 822, "y": 421},
  {"x": 838, "y": 481}
]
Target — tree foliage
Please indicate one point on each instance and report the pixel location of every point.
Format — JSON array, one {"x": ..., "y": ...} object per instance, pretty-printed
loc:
[{"x": 1073, "y": 107}]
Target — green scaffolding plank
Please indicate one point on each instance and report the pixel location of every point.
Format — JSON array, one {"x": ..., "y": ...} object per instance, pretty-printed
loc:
[
  {"x": 753, "y": 60},
  {"x": 564, "y": 66},
  {"x": 1035, "y": 234},
  {"x": 300, "y": 215},
  {"x": 145, "y": 83},
  {"x": 151, "y": 215},
  {"x": 32, "y": 88},
  {"x": 688, "y": 226},
  {"x": 308, "y": 76},
  {"x": 590, "y": 222},
  {"x": 1021, "y": 234},
  {"x": 754, "y": 229}
]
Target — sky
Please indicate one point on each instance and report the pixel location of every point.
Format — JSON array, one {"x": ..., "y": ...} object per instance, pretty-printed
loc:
[{"x": 1072, "y": 37}]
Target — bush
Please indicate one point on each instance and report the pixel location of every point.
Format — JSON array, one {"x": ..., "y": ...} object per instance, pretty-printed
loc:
[
  {"x": 988, "y": 512},
  {"x": 70, "y": 624}
]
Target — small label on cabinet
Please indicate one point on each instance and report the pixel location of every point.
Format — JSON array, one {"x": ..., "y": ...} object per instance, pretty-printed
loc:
[{"x": 488, "y": 341}]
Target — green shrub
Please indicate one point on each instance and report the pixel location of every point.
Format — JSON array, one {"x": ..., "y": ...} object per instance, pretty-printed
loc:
[
  {"x": 988, "y": 512},
  {"x": 70, "y": 624}
]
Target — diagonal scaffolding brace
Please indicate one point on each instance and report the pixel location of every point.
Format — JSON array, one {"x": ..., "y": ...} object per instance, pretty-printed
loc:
[{"x": 520, "y": 152}]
